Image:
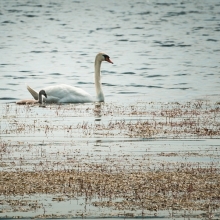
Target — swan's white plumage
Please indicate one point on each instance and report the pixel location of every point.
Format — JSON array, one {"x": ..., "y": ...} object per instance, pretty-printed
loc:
[
  {"x": 65, "y": 93},
  {"x": 68, "y": 94}
]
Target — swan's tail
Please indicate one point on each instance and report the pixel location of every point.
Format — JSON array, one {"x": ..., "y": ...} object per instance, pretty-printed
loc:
[{"x": 33, "y": 92}]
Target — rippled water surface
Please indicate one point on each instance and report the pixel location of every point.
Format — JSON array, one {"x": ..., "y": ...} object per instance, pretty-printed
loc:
[{"x": 161, "y": 50}]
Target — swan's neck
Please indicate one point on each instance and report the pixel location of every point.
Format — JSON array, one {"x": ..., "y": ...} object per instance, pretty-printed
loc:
[
  {"x": 40, "y": 98},
  {"x": 98, "y": 86}
]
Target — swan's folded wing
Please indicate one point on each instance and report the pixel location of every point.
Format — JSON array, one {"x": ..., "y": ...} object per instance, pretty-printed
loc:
[{"x": 33, "y": 92}]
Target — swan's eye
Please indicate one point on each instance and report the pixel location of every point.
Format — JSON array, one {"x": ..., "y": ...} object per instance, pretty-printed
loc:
[{"x": 107, "y": 58}]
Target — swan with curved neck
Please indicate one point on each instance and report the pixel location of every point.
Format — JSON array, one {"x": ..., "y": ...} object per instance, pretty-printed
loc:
[
  {"x": 31, "y": 101},
  {"x": 68, "y": 94}
]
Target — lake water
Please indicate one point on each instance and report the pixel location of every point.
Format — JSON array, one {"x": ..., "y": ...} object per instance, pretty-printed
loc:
[{"x": 162, "y": 51}]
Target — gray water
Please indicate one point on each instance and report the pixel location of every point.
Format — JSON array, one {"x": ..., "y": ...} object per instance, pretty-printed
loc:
[{"x": 162, "y": 50}]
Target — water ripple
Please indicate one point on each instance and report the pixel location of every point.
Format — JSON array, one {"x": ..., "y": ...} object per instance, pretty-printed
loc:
[
  {"x": 151, "y": 76},
  {"x": 129, "y": 73},
  {"x": 7, "y": 98},
  {"x": 147, "y": 40},
  {"x": 55, "y": 74}
]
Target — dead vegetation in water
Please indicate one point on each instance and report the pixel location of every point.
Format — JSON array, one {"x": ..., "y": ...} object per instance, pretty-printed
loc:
[
  {"x": 188, "y": 189},
  {"x": 120, "y": 182},
  {"x": 172, "y": 120}
]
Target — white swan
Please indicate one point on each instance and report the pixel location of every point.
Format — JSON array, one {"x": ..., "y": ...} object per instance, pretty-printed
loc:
[
  {"x": 32, "y": 101},
  {"x": 69, "y": 94}
]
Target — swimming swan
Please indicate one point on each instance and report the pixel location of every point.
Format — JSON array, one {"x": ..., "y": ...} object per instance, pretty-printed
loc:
[
  {"x": 69, "y": 94},
  {"x": 31, "y": 101}
]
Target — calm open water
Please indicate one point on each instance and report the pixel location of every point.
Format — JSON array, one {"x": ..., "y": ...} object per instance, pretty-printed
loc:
[{"x": 162, "y": 50}]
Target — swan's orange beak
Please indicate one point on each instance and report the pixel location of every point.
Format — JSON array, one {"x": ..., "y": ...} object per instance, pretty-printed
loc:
[{"x": 108, "y": 60}]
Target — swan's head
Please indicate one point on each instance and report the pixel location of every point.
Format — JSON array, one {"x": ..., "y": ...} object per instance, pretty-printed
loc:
[
  {"x": 104, "y": 57},
  {"x": 42, "y": 92}
]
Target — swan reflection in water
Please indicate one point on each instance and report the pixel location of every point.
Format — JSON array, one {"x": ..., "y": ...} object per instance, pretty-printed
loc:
[{"x": 98, "y": 111}]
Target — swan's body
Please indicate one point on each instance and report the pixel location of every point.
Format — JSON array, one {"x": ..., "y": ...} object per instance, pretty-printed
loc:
[
  {"x": 32, "y": 101},
  {"x": 65, "y": 93}
]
